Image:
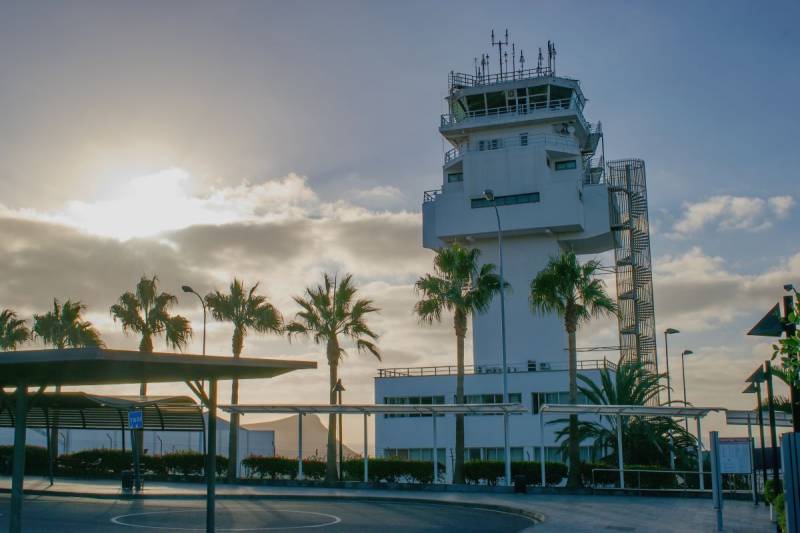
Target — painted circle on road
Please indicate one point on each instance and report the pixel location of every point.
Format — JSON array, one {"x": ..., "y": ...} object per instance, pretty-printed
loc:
[{"x": 124, "y": 520}]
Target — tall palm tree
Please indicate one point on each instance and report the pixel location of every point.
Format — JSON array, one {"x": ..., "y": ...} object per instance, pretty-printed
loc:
[
  {"x": 460, "y": 285},
  {"x": 647, "y": 440},
  {"x": 146, "y": 312},
  {"x": 246, "y": 310},
  {"x": 64, "y": 327},
  {"x": 330, "y": 313},
  {"x": 571, "y": 290},
  {"x": 13, "y": 330}
]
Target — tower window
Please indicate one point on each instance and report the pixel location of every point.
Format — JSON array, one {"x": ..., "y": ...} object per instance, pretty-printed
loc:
[
  {"x": 570, "y": 164},
  {"x": 511, "y": 199},
  {"x": 455, "y": 177},
  {"x": 523, "y": 139}
]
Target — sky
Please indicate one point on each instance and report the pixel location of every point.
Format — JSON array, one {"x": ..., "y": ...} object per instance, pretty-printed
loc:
[{"x": 274, "y": 141}]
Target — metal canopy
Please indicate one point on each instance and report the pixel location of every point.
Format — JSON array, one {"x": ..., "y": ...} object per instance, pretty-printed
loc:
[
  {"x": 78, "y": 410},
  {"x": 494, "y": 408},
  {"x": 101, "y": 366},
  {"x": 744, "y": 418},
  {"x": 628, "y": 410}
]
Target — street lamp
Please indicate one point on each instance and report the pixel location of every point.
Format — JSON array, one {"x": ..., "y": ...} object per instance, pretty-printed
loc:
[
  {"x": 488, "y": 194},
  {"x": 338, "y": 389},
  {"x": 668, "y": 331},
  {"x": 683, "y": 371},
  {"x": 188, "y": 289}
]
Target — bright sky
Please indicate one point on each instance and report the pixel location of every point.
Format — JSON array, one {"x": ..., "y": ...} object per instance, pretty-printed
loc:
[{"x": 276, "y": 140}]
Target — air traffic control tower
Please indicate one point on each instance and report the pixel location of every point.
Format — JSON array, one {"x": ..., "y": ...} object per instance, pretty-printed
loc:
[{"x": 521, "y": 132}]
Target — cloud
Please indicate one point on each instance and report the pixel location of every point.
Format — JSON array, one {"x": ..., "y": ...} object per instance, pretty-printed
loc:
[
  {"x": 731, "y": 213},
  {"x": 379, "y": 197}
]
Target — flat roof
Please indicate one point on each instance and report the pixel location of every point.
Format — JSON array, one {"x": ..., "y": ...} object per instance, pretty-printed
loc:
[
  {"x": 494, "y": 408},
  {"x": 628, "y": 410},
  {"x": 740, "y": 418},
  {"x": 101, "y": 366},
  {"x": 79, "y": 410}
]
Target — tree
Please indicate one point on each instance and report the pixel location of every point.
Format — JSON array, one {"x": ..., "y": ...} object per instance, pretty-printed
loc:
[
  {"x": 64, "y": 327},
  {"x": 330, "y": 313},
  {"x": 572, "y": 291},
  {"x": 146, "y": 312},
  {"x": 13, "y": 330},
  {"x": 246, "y": 310},
  {"x": 646, "y": 440},
  {"x": 461, "y": 286}
]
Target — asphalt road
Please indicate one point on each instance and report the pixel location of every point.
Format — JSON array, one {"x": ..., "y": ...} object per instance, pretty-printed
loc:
[{"x": 55, "y": 515}]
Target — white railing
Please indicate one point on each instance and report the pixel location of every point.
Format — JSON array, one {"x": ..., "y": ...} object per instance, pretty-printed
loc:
[
  {"x": 430, "y": 196},
  {"x": 460, "y": 79},
  {"x": 449, "y": 119},
  {"x": 451, "y": 370},
  {"x": 555, "y": 140}
]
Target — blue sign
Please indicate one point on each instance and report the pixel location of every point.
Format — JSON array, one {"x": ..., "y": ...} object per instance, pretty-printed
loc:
[{"x": 135, "y": 420}]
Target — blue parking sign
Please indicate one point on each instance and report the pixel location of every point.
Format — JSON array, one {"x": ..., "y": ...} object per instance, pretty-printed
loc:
[{"x": 135, "y": 420}]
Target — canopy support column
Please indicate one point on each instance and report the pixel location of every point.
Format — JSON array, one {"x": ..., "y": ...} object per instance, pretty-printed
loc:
[
  {"x": 18, "y": 472},
  {"x": 541, "y": 447},
  {"x": 700, "y": 456},
  {"x": 366, "y": 450},
  {"x": 299, "y": 445},
  {"x": 435, "y": 454},
  {"x": 211, "y": 458},
  {"x": 619, "y": 453}
]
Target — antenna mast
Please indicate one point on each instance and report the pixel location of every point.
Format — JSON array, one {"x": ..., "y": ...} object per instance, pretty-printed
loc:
[{"x": 500, "y": 44}]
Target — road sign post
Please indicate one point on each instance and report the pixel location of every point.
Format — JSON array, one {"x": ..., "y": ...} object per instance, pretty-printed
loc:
[
  {"x": 716, "y": 477},
  {"x": 136, "y": 423}
]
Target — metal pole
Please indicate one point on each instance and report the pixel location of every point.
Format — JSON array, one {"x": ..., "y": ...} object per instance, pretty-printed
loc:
[
  {"x": 299, "y": 445},
  {"x": 700, "y": 456},
  {"x": 137, "y": 483},
  {"x": 619, "y": 453},
  {"x": 683, "y": 371},
  {"x": 18, "y": 464},
  {"x": 541, "y": 447},
  {"x": 752, "y": 461},
  {"x": 772, "y": 431},
  {"x": 716, "y": 478},
  {"x": 789, "y": 330},
  {"x": 341, "y": 462},
  {"x": 211, "y": 458},
  {"x": 435, "y": 456},
  {"x": 507, "y": 450},
  {"x": 760, "y": 416},
  {"x": 366, "y": 450},
  {"x": 666, "y": 358}
]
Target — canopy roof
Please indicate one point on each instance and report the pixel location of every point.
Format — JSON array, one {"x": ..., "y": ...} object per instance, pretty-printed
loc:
[
  {"x": 494, "y": 408},
  {"x": 627, "y": 410},
  {"x": 78, "y": 410},
  {"x": 100, "y": 366},
  {"x": 740, "y": 418}
]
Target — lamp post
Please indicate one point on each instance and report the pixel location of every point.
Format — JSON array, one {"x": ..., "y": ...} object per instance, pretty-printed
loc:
[
  {"x": 683, "y": 371},
  {"x": 338, "y": 389},
  {"x": 188, "y": 289},
  {"x": 489, "y": 196},
  {"x": 667, "y": 332}
]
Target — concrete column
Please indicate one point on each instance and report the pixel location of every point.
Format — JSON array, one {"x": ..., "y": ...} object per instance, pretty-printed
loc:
[
  {"x": 700, "y": 455},
  {"x": 434, "y": 455},
  {"x": 211, "y": 458},
  {"x": 541, "y": 448},
  {"x": 299, "y": 445},
  {"x": 619, "y": 453},
  {"x": 18, "y": 472},
  {"x": 366, "y": 450}
]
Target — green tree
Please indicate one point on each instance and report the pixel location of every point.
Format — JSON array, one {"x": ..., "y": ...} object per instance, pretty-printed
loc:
[
  {"x": 13, "y": 330},
  {"x": 571, "y": 290},
  {"x": 330, "y": 313},
  {"x": 146, "y": 312},
  {"x": 64, "y": 327},
  {"x": 246, "y": 310},
  {"x": 461, "y": 286},
  {"x": 646, "y": 440}
]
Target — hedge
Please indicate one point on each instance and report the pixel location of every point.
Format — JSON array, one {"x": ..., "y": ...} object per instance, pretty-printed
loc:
[
  {"x": 110, "y": 463},
  {"x": 490, "y": 471},
  {"x": 35, "y": 460},
  {"x": 388, "y": 470}
]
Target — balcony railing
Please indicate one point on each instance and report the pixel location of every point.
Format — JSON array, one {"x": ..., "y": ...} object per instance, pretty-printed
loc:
[
  {"x": 460, "y": 79},
  {"x": 451, "y": 370},
  {"x": 520, "y": 141},
  {"x": 430, "y": 196},
  {"x": 449, "y": 119}
]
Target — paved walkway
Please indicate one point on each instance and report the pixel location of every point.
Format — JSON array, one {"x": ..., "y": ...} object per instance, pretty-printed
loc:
[{"x": 558, "y": 513}]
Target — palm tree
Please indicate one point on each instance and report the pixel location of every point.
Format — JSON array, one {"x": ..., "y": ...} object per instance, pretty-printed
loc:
[
  {"x": 147, "y": 312},
  {"x": 246, "y": 310},
  {"x": 647, "y": 440},
  {"x": 61, "y": 328},
  {"x": 460, "y": 285},
  {"x": 13, "y": 330},
  {"x": 330, "y": 313},
  {"x": 571, "y": 290}
]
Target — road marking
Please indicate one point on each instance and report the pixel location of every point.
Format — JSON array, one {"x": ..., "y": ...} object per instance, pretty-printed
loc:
[{"x": 118, "y": 520}]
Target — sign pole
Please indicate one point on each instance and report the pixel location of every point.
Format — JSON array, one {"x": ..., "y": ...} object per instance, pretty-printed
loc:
[{"x": 716, "y": 478}]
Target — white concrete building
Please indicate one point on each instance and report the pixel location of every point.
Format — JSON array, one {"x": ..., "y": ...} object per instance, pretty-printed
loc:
[{"x": 523, "y": 135}]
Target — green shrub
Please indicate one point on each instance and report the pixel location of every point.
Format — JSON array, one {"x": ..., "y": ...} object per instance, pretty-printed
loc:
[
  {"x": 779, "y": 503},
  {"x": 771, "y": 490},
  {"x": 490, "y": 471},
  {"x": 35, "y": 459},
  {"x": 188, "y": 463},
  {"x": 389, "y": 470}
]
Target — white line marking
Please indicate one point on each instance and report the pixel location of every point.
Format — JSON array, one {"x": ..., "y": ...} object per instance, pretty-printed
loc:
[{"x": 118, "y": 521}]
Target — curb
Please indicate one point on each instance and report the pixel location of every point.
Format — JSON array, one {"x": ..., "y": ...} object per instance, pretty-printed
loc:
[{"x": 536, "y": 517}]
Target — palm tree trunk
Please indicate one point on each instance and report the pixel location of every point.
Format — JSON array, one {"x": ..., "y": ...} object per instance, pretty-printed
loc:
[
  {"x": 574, "y": 477},
  {"x": 146, "y": 346},
  {"x": 460, "y": 326},
  {"x": 233, "y": 434},
  {"x": 333, "y": 365}
]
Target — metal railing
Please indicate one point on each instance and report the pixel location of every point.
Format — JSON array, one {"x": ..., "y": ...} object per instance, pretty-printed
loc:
[
  {"x": 459, "y": 79},
  {"x": 664, "y": 480},
  {"x": 451, "y": 370},
  {"x": 430, "y": 196},
  {"x": 452, "y": 154},
  {"x": 449, "y": 119}
]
